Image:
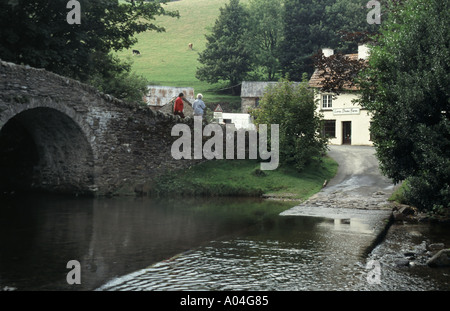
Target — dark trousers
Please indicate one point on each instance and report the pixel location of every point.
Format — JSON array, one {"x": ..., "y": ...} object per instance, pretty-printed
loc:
[{"x": 179, "y": 113}]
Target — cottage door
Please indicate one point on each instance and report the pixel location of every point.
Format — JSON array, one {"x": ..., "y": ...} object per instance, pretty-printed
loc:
[{"x": 347, "y": 133}]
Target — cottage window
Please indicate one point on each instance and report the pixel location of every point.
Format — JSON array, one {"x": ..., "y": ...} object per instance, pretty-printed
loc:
[
  {"x": 329, "y": 128},
  {"x": 327, "y": 101}
]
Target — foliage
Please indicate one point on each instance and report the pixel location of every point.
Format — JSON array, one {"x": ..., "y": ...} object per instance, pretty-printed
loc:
[
  {"x": 292, "y": 106},
  {"x": 265, "y": 34},
  {"x": 116, "y": 78},
  {"x": 36, "y": 33},
  {"x": 399, "y": 194},
  {"x": 165, "y": 57},
  {"x": 227, "y": 56},
  {"x": 347, "y": 17},
  {"x": 406, "y": 88},
  {"x": 338, "y": 71}
]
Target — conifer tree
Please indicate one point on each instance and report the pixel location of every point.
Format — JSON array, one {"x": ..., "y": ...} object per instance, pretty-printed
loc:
[{"x": 227, "y": 57}]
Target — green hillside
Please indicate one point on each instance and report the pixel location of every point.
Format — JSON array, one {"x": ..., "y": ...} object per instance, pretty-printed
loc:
[{"x": 166, "y": 59}]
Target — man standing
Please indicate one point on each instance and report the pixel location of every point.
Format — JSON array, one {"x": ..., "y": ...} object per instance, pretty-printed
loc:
[
  {"x": 179, "y": 105},
  {"x": 199, "y": 106}
]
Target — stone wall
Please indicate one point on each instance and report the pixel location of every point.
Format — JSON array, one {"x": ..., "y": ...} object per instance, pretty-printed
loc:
[{"x": 248, "y": 103}]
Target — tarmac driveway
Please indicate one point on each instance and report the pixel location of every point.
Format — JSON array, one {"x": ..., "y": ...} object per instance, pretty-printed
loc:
[{"x": 358, "y": 177}]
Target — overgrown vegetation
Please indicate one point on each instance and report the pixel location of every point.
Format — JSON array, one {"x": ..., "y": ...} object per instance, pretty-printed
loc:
[
  {"x": 292, "y": 107},
  {"x": 399, "y": 194}
]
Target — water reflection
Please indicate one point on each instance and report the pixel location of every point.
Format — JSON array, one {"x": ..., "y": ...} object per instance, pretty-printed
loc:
[
  {"x": 38, "y": 237},
  {"x": 109, "y": 237},
  {"x": 347, "y": 224},
  {"x": 173, "y": 244},
  {"x": 293, "y": 253}
]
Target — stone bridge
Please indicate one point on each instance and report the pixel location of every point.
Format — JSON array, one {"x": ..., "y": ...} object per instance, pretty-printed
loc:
[{"x": 60, "y": 135}]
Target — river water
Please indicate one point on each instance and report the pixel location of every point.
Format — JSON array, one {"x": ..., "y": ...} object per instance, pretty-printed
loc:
[{"x": 192, "y": 244}]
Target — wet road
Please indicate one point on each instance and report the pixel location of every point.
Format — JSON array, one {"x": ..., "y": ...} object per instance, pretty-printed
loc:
[{"x": 358, "y": 191}]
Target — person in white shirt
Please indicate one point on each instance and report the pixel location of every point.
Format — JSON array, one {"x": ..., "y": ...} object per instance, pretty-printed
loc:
[{"x": 199, "y": 106}]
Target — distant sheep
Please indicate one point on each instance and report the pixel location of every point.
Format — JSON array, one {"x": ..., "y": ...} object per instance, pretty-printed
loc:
[{"x": 136, "y": 52}]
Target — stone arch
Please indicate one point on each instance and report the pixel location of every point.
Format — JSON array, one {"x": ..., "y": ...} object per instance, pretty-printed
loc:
[{"x": 43, "y": 147}]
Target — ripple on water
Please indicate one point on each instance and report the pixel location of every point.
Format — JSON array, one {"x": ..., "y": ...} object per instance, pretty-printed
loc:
[
  {"x": 321, "y": 261},
  {"x": 241, "y": 265}
]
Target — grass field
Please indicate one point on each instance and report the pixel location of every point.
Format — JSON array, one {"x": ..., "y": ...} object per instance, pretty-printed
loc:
[{"x": 166, "y": 59}]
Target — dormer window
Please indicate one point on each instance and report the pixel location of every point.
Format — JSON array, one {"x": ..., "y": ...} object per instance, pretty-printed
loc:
[{"x": 327, "y": 101}]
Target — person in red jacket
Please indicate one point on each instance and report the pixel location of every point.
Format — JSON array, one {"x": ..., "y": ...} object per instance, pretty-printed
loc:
[{"x": 179, "y": 105}]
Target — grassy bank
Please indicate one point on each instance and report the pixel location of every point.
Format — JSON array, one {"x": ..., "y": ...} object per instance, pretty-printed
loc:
[{"x": 244, "y": 178}]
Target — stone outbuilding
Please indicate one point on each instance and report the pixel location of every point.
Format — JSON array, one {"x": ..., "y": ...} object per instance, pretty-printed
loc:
[{"x": 251, "y": 92}]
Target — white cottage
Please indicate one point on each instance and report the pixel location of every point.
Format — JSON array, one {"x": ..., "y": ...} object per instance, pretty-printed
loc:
[{"x": 346, "y": 123}]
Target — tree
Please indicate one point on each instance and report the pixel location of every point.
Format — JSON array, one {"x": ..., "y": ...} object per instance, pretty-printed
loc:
[
  {"x": 265, "y": 34},
  {"x": 302, "y": 21},
  {"x": 116, "y": 79},
  {"x": 347, "y": 17},
  {"x": 292, "y": 107},
  {"x": 406, "y": 88},
  {"x": 339, "y": 72},
  {"x": 36, "y": 33},
  {"x": 227, "y": 56}
]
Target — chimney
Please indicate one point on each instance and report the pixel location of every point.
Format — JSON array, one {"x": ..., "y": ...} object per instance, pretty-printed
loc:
[
  {"x": 327, "y": 52},
  {"x": 363, "y": 51}
]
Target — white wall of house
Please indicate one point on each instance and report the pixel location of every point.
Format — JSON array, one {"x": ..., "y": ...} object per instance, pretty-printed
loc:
[
  {"x": 240, "y": 120},
  {"x": 342, "y": 112}
]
